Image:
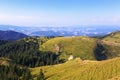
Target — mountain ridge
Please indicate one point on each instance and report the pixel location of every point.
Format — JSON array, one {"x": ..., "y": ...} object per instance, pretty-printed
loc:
[
  {"x": 92, "y": 30},
  {"x": 10, "y": 35}
]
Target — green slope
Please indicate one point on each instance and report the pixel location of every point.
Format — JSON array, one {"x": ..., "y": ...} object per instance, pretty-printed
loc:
[
  {"x": 112, "y": 44},
  {"x": 82, "y": 70},
  {"x": 113, "y": 37},
  {"x": 82, "y": 47}
]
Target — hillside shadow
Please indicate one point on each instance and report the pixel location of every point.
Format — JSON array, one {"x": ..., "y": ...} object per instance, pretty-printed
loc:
[{"x": 99, "y": 52}]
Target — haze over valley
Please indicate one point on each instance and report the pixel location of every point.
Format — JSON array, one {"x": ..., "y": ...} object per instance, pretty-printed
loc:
[{"x": 93, "y": 30}]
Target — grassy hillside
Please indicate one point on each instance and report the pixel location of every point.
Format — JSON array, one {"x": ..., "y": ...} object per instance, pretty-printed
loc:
[
  {"x": 82, "y": 47},
  {"x": 112, "y": 44},
  {"x": 82, "y": 70},
  {"x": 34, "y": 51},
  {"x": 113, "y": 37}
]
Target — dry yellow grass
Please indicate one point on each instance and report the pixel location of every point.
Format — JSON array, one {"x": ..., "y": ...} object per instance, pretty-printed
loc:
[
  {"x": 81, "y": 70},
  {"x": 5, "y": 61}
]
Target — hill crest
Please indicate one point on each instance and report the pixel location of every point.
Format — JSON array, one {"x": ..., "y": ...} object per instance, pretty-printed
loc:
[{"x": 11, "y": 35}]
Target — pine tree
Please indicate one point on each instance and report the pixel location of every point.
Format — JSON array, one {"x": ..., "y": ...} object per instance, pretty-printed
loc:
[
  {"x": 41, "y": 75},
  {"x": 27, "y": 76}
]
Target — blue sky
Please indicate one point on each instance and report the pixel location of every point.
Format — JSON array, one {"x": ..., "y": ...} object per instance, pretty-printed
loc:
[{"x": 59, "y": 12}]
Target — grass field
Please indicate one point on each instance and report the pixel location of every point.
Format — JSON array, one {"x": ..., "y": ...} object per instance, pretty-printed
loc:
[
  {"x": 113, "y": 37},
  {"x": 112, "y": 44},
  {"x": 82, "y": 47},
  {"x": 82, "y": 70},
  {"x": 78, "y": 69}
]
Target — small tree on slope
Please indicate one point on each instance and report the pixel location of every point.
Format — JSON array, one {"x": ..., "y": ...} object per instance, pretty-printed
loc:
[{"x": 41, "y": 75}]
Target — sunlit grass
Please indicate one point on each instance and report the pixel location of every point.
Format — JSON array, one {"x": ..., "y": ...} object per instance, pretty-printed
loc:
[
  {"x": 115, "y": 37},
  {"x": 81, "y": 70},
  {"x": 82, "y": 47}
]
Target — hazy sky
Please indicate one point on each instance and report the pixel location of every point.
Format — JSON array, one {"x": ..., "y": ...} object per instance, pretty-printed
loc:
[{"x": 59, "y": 12}]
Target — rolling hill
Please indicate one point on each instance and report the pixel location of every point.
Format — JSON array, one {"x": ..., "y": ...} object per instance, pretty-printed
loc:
[
  {"x": 11, "y": 35},
  {"x": 82, "y": 70},
  {"x": 79, "y": 54},
  {"x": 82, "y": 47},
  {"x": 113, "y": 37},
  {"x": 85, "y": 47},
  {"x": 111, "y": 43}
]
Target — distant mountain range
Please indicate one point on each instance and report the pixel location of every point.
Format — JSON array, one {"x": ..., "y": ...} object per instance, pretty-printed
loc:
[
  {"x": 62, "y": 31},
  {"x": 11, "y": 35}
]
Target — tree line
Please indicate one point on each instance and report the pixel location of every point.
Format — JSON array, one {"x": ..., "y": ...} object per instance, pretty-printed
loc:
[
  {"x": 14, "y": 72},
  {"x": 27, "y": 53}
]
